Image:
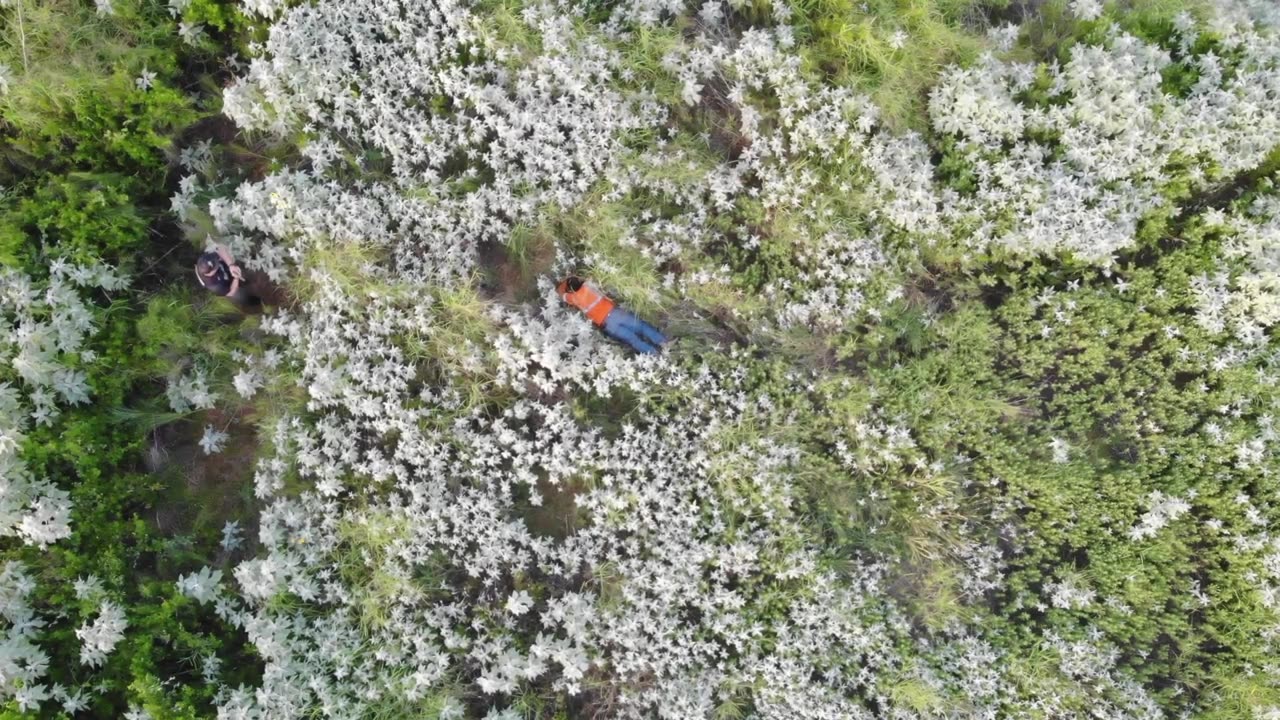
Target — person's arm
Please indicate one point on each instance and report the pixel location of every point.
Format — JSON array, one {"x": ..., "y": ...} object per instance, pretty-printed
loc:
[
  {"x": 236, "y": 273},
  {"x": 235, "y": 284}
]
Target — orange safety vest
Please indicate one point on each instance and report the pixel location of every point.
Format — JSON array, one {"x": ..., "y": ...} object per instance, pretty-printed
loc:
[{"x": 596, "y": 306}]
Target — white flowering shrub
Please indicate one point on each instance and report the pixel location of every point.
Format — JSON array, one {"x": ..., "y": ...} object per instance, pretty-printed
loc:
[
  {"x": 44, "y": 358},
  {"x": 1079, "y": 166},
  {"x": 190, "y": 391},
  {"x": 22, "y": 664},
  {"x": 472, "y": 142},
  {"x": 99, "y": 637},
  {"x": 1243, "y": 298},
  {"x": 201, "y": 586},
  {"x": 42, "y": 353},
  {"x": 996, "y": 439},
  {"x": 47, "y": 323},
  {"x": 213, "y": 440},
  {"x": 622, "y": 621},
  {"x": 1161, "y": 510}
]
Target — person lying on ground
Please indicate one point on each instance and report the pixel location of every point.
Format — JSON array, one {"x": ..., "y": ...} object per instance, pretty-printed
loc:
[
  {"x": 218, "y": 272},
  {"x": 617, "y": 323}
]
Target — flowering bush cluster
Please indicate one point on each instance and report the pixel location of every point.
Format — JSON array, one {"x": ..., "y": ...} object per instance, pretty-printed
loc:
[
  {"x": 1244, "y": 299},
  {"x": 47, "y": 322},
  {"x": 502, "y": 551},
  {"x": 92, "y": 99},
  {"x": 973, "y": 418},
  {"x": 100, "y": 636},
  {"x": 1071, "y": 158},
  {"x": 486, "y": 510},
  {"x": 464, "y": 136},
  {"x": 1045, "y": 159}
]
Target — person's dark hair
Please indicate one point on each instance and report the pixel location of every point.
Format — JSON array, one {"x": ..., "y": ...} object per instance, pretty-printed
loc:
[
  {"x": 207, "y": 264},
  {"x": 574, "y": 283}
]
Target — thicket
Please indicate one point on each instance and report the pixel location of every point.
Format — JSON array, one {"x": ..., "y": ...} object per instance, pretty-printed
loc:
[
  {"x": 991, "y": 395},
  {"x": 97, "y": 103},
  {"x": 916, "y": 453}
]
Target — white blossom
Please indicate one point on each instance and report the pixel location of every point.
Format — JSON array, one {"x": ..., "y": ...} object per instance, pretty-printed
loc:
[
  {"x": 231, "y": 535},
  {"x": 88, "y": 588},
  {"x": 99, "y": 638},
  {"x": 1087, "y": 9},
  {"x": 1067, "y": 595},
  {"x": 420, "y": 453},
  {"x": 1061, "y": 450},
  {"x": 519, "y": 603},
  {"x": 213, "y": 440},
  {"x": 1161, "y": 510},
  {"x": 202, "y": 585},
  {"x": 145, "y": 79},
  {"x": 191, "y": 33}
]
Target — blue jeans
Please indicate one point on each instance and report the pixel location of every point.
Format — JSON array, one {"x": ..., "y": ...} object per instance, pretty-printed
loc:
[{"x": 632, "y": 331}]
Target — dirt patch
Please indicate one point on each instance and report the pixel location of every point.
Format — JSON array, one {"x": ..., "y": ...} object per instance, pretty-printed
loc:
[
  {"x": 558, "y": 515},
  {"x": 501, "y": 278},
  {"x": 272, "y": 295},
  {"x": 510, "y": 274},
  {"x": 927, "y": 291},
  {"x": 205, "y": 491}
]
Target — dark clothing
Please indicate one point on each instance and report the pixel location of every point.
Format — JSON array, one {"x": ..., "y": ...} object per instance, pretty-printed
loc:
[
  {"x": 245, "y": 299},
  {"x": 220, "y": 282}
]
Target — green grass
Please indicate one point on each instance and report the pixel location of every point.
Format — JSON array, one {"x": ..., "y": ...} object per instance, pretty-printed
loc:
[
  {"x": 595, "y": 236},
  {"x": 848, "y": 44},
  {"x": 346, "y": 266},
  {"x": 642, "y": 55},
  {"x": 361, "y": 561},
  {"x": 55, "y": 47},
  {"x": 72, "y": 97}
]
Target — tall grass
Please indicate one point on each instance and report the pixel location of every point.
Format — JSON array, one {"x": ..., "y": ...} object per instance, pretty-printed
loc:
[
  {"x": 892, "y": 49},
  {"x": 60, "y": 49},
  {"x": 348, "y": 265}
]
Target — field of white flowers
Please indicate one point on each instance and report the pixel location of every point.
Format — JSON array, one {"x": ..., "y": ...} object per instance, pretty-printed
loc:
[{"x": 971, "y": 412}]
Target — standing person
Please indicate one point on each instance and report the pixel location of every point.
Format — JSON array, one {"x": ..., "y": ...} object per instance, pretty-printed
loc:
[
  {"x": 218, "y": 272},
  {"x": 616, "y": 322}
]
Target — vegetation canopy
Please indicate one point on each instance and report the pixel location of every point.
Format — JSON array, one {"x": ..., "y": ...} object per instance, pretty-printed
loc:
[{"x": 970, "y": 411}]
